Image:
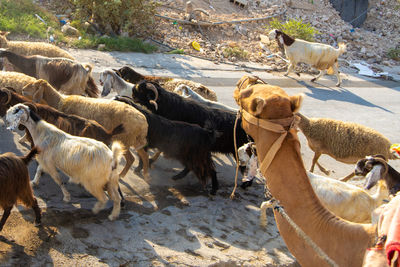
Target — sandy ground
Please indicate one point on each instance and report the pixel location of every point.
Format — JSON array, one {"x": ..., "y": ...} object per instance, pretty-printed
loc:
[{"x": 163, "y": 223}]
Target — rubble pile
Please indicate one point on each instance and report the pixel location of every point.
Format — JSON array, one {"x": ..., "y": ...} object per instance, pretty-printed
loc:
[{"x": 379, "y": 33}]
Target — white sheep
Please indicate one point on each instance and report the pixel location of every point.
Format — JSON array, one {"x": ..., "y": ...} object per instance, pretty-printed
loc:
[
  {"x": 85, "y": 160},
  {"x": 187, "y": 92},
  {"x": 107, "y": 112},
  {"x": 345, "y": 200},
  {"x": 110, "y": 80},
  {"x": 320, "y": 56}
]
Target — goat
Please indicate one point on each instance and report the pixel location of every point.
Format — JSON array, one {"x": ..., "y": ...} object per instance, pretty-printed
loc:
[
  {"x": 110, "y": 80},
  {"x": 248, "y": 163},
  {"x": 186, "y": 92},
  {"x": 14, "y": 184},
  {"x": 71, "y": 124},
  {"x": 107, "y": 112},
  {"x": 375, "y": 168},
  {"x": 32, "y": 48},
  {"x": 188, "y": 143},
  {"x": 344, "y": 141},
  {"x": 320, "y": 56},
  {"x": 175, "y": 107},
  {"x": 85, "y": 160},
  {"x": 342, "y": 199},
  {"x": 68, "y": 76},
  {"x": 131, "y": 76}
]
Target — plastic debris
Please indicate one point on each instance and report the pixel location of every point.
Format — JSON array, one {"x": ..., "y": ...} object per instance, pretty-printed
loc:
[{"x": 196, "y": 46}]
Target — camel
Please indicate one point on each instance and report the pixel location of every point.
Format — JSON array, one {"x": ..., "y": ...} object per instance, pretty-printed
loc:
[{"x": 265, "y": 106}]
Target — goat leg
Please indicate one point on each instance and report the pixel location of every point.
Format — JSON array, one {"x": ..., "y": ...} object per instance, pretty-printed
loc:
[
  {"x": 214, "y": 183},
  {"x": 181, "y": 175},
  {"x": 348, "y": 177},
  {"x": 122, "y": 196},
  {"x": 6, "y": 213},
  {"x": 36, "y": 209}
]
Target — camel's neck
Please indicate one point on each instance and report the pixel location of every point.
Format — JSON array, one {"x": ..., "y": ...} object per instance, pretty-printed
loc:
[{"x": 345, "y": 243}]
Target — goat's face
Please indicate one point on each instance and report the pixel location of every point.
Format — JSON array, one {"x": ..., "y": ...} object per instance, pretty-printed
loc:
[
  {"x": 35, "y": 90},
  {"x": 273, "y": 34},
  {"x": 5, "y": 98},
  {"x": 106, "y": 80},
  {"x": 183, "y": 90},
  {"x": 145, "y": 94},
  {"x": 371, "y": 168},
  {"x": 3, "y": 39},
  {"x": 15, "y": 115}
]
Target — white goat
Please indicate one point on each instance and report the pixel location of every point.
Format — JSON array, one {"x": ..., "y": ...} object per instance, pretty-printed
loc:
[
  {"x": 86, "y": 161},
  {"x": 320, "y": 56},
  {"x": 110, "y": 80},
  {"x": 187, "y": 92}
]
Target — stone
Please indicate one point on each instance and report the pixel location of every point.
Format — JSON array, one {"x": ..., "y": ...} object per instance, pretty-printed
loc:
[{"x": 69, "y": 30}]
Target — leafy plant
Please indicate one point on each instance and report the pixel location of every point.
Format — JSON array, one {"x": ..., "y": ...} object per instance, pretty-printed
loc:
[
  {"x": 176, "y": 51},
  {"x": 136, "y": 17},
  {"x": 237, "y": 52},
  {"x": 114, "y": 44},
  {"x": 294, "y": 28},
  {"x": 394, "y": 53},
  {"x": 18, "y": 16}
]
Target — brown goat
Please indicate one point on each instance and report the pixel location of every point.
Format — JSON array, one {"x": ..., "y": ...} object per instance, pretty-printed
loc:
[
  {"x": 71, "y": 124},
  {"x": 15, "y": 184},
  {"x": 66, "y": 75}
]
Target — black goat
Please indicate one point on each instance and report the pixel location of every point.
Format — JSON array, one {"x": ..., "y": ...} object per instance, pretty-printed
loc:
[
  {"x": 188, "y": 143},
  {"x": 367, "y": 167},
  {"x": 175, "y": 107}
]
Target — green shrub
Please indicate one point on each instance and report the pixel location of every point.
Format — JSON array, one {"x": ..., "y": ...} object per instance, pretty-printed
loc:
[
  {"x": 136, "y": 17},
  {"x": 237, "y": 52},
  {"x": 394, "y": 53},
  {"x": 294, "y": 28},
  {"x": 18, "y": 16},
  {"x": 124, "y": 44}
]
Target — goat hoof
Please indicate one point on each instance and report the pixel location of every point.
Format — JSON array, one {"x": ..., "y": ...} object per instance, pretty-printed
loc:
[
  {"x": 122, "y": 203},
  {"x": 37, "y": 224},
  {"x": 298, "y": 74},
  {"x": 33, "y": 184},
  {"x": 67, "y": 199},
  {"x": 338, "y": 85},
  {"x": 313, "y": 80},
  {"x": 111, "y": 217}
]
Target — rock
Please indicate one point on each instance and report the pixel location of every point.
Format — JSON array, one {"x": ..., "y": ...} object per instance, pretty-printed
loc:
[
  {"x": 101, "y": 47},
  {"x": 69, "y": 30}
]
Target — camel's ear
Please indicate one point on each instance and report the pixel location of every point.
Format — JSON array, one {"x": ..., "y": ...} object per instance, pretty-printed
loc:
[
  {"x": 296, "y": 101},
  {"x": 257, "y": 105},
  {"x": 38, "y": 95}
]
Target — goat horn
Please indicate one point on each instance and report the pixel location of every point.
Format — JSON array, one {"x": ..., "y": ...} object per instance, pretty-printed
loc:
[
  {"x": 154, "y": 103},
  {"x": 154, "y": 89},
  {"x": 8, "y": 96}
]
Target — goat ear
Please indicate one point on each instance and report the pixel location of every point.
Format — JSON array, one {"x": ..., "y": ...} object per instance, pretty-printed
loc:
[
  {"x": 257, "y": 105},
  {"x": 38, "y": 95},
  {"x": 296, "y": 101},
  {"x": 3, "y": 33}
]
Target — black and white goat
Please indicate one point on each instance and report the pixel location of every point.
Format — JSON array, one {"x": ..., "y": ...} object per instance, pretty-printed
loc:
[
  {"x": 175, "y": 107},
  {"x": 86, "y": 161},
  {"x": 320, "y": 56},
  {"x": 375, "y": 168},
  {"x": 188, "y": 143}
]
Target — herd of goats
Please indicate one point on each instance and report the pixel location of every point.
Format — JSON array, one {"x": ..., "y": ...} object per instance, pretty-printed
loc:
[{"x": 71, "y": 127}]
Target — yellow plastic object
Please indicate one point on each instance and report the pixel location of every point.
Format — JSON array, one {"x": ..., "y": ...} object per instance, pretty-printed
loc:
[
  {"x": 196, "y": 45},
  {"x": 395, "y": 149}
]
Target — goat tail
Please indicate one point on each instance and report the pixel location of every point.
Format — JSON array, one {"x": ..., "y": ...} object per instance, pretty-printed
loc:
[
  {"x": 27, "y": 158},
  {"x": 118, "y": 129},
  {"x": 342, "y": 48},
  {"x": 118, "y": 150},
  {"x": 91, "y": 88},
  {"x": 88, "y": 67}
]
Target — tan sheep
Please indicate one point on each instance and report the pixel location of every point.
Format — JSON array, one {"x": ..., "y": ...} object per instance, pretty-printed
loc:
[
  {"x": 32, "y": 48},
  {"x": 346, "y": 142},
  {"x": 107, "y": 112},
  {"x": 15, "y": 80}
]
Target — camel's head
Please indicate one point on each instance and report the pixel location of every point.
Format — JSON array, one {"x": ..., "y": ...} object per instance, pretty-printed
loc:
[
  {"x": 265, "y": 101},
  {"x": 3, "y": 39}
]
